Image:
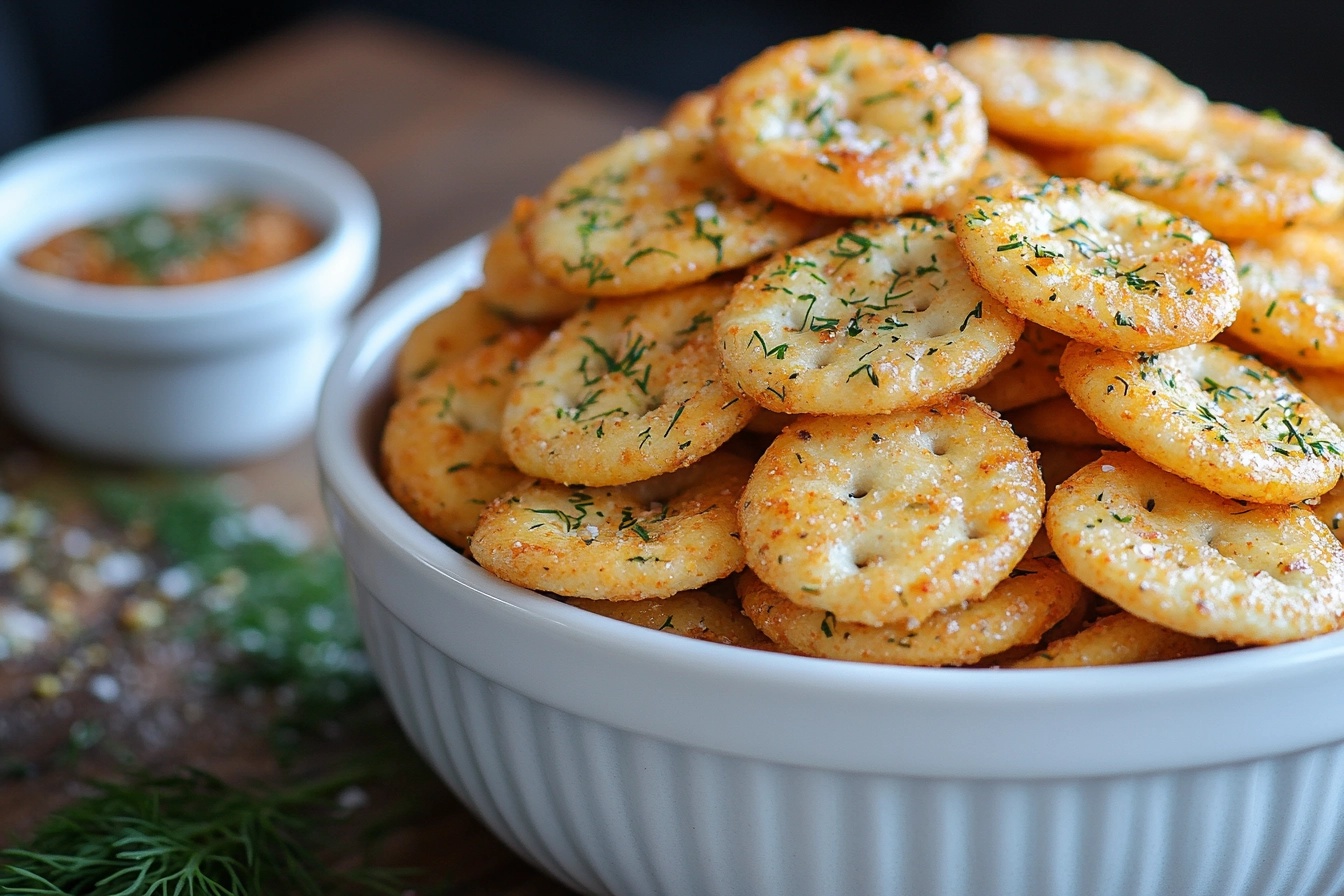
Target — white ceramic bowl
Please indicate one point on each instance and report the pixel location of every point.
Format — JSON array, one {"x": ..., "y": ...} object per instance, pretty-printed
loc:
[
  {"x": 627, "y": 761},
  {"x": 183, "y": 375}
]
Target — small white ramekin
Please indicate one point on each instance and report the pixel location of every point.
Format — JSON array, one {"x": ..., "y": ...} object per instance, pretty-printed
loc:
[
  {"x": 627, "y": 761},
  {"x": 181, "y": 375}
]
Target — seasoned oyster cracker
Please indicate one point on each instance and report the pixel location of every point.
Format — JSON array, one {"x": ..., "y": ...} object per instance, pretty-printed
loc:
[
  {"x": 625, "y": 390},
  {"x": 1099, "y": 266},
  {"x": 512, "y": 284},
  {"x": 1292, "y": 303},
  {"x": 448, "y": 333},
  {"x": 888, "y": 519},
  {"x": 647, "y": 539},
  {"x": 1069, "y": 93},
  {"x": 440, "y": 451},
  {"x": 1020, "y": 609},
  {"x": 851, "y": 123},
  {"x": 655, "y": 210},
  {"x": 1182, "y": 557},
  {"x": 1117, "y": 639},
  {"x": 1243, "y": 175},
  {"x": 1212, "y": 415},
  {"x": 877, "y": 317},
  {"x": 693, "y": 614}
]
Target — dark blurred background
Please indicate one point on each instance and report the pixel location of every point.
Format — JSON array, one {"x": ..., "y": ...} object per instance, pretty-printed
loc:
[{"x": 64, "y": 61}]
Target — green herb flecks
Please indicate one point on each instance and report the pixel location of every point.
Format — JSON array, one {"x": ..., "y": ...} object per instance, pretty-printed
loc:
[{"x": 151, "y": 239}]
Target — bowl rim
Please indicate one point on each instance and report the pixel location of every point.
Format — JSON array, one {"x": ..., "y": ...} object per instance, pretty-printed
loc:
[
  {"x": 1051, "y": 722},
  {"x": 48, "y": 300}
]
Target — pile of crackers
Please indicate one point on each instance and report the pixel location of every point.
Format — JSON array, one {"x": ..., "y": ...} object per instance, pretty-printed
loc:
[{"x": 1018, "y": 352}]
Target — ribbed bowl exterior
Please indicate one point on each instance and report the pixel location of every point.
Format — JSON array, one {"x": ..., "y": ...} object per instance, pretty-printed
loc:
[{"x": 609, "y": 811}]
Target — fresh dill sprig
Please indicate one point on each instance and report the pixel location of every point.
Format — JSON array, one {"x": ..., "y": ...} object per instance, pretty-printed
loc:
[{"x": 186, "y": 833}]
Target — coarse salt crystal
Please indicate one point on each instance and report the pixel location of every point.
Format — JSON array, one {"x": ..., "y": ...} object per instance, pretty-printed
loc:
[
  {"x": 175, "y": 582},
  {"x": 352, "y": 797},
  {"x": 120, "y": 569},
  {"x": 1107, "y": 468},
  {"x": 105, "y": 688},
  {"x": 251, "y": 640},
  {"x": 76, "y": 543},
  {"x": 21, "y": 630},
  {"x": 706, "y": 210},
  {"x": 320, "y": 618},
  {"x": 14, "y": 553}
]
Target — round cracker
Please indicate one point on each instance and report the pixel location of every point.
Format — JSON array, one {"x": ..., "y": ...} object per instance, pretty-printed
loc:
[
  {"x": 625, "y": 390},
  {"x": 1100, "y": 266},
  {"x": 656, "y": 210},
  {"x": 1020, "y": 609},
  {"x": 850, "y": 123},
  {"x": 446, "y": 334},
  {"x": 1292, "y": 302},
  {"x": 887, "y": 519},
  {"x": 512, "y": 284},
  {"x": 440, "y": 450},
  {"x": 648, "y": 539},
  {"x": 1118, "y": 639},
  {"x": 693, "y": 614},
  {"x": 1177, "y": 555},
  {"x": 1243, "y": 175},
  {"x": 1074, "y": 92},
  {"x": 877, "y": 317},
  {"x": 1212, "y": 415}
]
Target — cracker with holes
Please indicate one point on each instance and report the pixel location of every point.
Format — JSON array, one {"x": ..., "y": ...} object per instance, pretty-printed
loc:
[
  {"x": 1098, "y": 265},
  {"x": 1020, "y": 610},
  {"x": 1292, "y": 302},
  {"x": 446, "y": 334},
  {"x": 643, "y": 540},
  {"x": 1118, "y": 639},
  {"x": 440, "y": 450},
  {"x": 512, "y": 284},
  {"x": 1212, "y": 415},
  {"x": 877, "y": 317},
  {"x": 1076, "y": 93},
  {"x": 888, "y": 519},
  {"x": 851, "y": 123},
  {"x": 1243, "y": 175},
  {"x": 693, "y": 614},
  {"x": 625, "y": 390},
  {"x": 655, "y": 210},
  {"x": 1180, "y": 556}
]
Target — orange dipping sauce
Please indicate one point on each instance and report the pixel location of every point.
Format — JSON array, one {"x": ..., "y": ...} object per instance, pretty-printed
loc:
[{"x": 159, "y": 247}]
